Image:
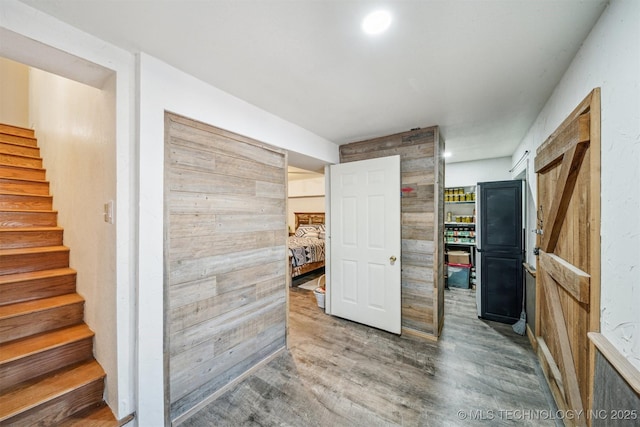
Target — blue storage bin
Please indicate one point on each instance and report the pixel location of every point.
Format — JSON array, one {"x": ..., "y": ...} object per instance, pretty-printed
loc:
[{"x": 458, "y": 275}]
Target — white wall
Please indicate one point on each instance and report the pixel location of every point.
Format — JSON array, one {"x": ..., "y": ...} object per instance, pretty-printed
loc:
[
  {"x": 609, "y": 59},
  {"x": 35, "y": 39},
  {"x": 14, "y": 87},
  {"x": 303, "y": 204},
  {"x": 75, "y": 127},
  {"x": 69, "y": 52},
  {"x": 461, "y": 174},
  {"x": 305, "y": 195},
  {"x": 164, "y": 88}
]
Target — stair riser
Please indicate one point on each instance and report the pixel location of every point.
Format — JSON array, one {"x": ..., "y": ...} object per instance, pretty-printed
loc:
[
  {"x": 24, "y": 187},
  {"x": 23, "y": 150},
  {"x": 30, "y": 239},
  {"x": 22, "y": 263},
  {"x": 17, "y": 139},
  {"x": 12, "y": 159},
  {"x": 16, "y": 130},
  {"x": 28, "y": 219},
  {"x": 25, "y": 202},
  {"x": 55, "y": 411},
  {"x": 7, "y": 171},
  {"x": 33, "y": 323},
  {"x": 42, "y": 363},
  {"x": 38, "y": 288}
]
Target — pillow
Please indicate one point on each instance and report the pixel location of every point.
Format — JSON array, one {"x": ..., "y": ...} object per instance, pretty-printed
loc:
[
  {"x": 322, "y": 235},
  {"x": 307, "y": 231}
]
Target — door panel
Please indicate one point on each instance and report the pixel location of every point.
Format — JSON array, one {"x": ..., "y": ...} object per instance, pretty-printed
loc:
[
  {"x": 501, "y": 287},
  {"x": 365, "y": 236},
  {"x": 567, "y": 290},
  {"x": 501, "y": 218}
]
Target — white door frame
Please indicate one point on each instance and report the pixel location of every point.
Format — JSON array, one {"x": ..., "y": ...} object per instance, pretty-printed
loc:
[{"x": 327, "y": 242}]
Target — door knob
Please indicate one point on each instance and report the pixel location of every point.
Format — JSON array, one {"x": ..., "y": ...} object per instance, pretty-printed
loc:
[{"x": 392, "y": 258}]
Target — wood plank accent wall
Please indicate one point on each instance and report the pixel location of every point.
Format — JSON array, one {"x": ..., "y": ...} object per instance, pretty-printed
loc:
[
  {"x": 422, "y": 170},
  {"x": 616, "y": 393},
  {"x": 225, "y": 258}
]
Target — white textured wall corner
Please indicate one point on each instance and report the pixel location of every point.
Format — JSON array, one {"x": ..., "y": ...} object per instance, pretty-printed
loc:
[
  {"x": 609, "y": 59},
  {"x": 165, "y": 88}
]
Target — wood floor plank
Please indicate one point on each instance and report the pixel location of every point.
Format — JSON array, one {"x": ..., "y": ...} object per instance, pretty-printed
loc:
[{"x": 340, "y": 373}]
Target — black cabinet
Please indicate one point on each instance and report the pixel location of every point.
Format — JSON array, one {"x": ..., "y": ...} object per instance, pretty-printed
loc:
[
  {"x": 501, "y": 278},
  {"x": 499, "y": 235}
]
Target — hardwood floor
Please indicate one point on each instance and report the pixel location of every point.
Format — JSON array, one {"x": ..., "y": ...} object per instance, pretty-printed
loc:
[{"x": 339, "y": 373}]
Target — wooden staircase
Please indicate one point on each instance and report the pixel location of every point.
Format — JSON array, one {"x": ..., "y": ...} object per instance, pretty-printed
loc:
[{"x": 48, "y": 375}]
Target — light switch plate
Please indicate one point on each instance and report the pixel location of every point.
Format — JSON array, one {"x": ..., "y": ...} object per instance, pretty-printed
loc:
[{"x": 108, "y": 212}]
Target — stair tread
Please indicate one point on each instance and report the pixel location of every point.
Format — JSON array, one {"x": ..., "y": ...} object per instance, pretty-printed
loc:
[
  {"x": 28, "y": 210},
  {"x": 100, "y": 416},
  {"x": 41, "y": 342},
  {"x": 10, "y": 129},
  {"x": 34, "y": 250},
  {"x": 29, "y": 229},
  {"x": 11, "y": 193},
  {"x": 97, "y": 416},
  {"x": 29, "y": 180},
  {"x": 17, "y": 144},
  {"x": 27, "y": 307},
  {"x": 19, "y": 136},
  {"x": 33, "y": 275},
  {"x": 40, "y": 390},
  {"x": 18, "y": 140},
  {"x": 9, "y": 165},
  {"x": 21, "y": 155}
]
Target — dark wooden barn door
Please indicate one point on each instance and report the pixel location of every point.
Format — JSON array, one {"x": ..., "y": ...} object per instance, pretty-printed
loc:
[{"x": 568, "y": 288}]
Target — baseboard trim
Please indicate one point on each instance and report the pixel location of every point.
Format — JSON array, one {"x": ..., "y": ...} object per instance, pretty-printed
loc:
[
  {"x": 620, "y": 363},
  {"x": 182, "y": 418},
  {"x": 419, "y": 334},
  {"x": 126, "y": 420},
  {"x": 532, "y": 339}
]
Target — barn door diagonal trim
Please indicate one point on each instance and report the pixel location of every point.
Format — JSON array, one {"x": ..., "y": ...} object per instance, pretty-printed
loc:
[
  {"x": 569, "y": 375},
  {"x": 576, "y": 131},
  {"x": 550, "y": 367},
  {"x": 571, "y": 162},
  {"x": 570, "y": 277}
]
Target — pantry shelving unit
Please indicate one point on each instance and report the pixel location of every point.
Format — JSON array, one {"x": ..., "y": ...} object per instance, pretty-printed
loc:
[{"x": 460, "y": 227}]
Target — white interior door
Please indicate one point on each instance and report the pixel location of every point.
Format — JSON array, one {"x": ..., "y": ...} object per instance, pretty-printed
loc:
[{"x": 365, "y": 242}]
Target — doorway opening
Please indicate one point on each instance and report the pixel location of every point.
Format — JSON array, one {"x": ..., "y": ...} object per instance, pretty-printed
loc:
[{"x": 72, "y": 110}]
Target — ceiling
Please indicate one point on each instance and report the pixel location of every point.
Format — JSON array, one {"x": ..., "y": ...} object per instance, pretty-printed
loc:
[{"x": 480, "y": 69}]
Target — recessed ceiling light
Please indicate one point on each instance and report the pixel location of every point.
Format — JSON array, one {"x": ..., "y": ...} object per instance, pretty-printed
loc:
[
  {"x": 446, "y": 154},
  {"x": 376, "y": 22}
]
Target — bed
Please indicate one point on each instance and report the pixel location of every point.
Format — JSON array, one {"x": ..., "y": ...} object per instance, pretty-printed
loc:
[{"x": 306, "y": 245}]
